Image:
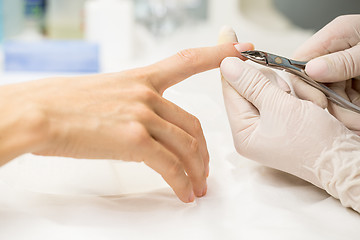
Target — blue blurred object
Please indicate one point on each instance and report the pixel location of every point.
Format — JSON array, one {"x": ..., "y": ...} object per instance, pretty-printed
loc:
[
  {"x": 51, "y": 56},
  {"x": 35, "y": 8},
  {"x": 35, "y": 16}
]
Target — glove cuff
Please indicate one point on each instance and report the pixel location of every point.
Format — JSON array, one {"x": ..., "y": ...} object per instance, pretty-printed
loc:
[{"x": 338, "y": 170}]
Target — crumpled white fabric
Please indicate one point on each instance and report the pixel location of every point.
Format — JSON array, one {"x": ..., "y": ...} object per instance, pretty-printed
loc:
[
  {"x": 338, "y": 170},
  {"x": 67, "y": 176}
]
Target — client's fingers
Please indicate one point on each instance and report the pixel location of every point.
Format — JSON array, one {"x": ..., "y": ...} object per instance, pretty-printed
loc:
[
  {"x": 170, "y": 168},
  {"x": 185, "y": 121},
  {"x": 187, "y": 63},
  {"x": 239, "y": 110},
  {"x": 183, "y": 145}
]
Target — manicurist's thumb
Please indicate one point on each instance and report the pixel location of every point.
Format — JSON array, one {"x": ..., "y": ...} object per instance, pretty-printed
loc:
[
  {"x": 335, "y": 67},
  {"x": 249, "y": 82}
]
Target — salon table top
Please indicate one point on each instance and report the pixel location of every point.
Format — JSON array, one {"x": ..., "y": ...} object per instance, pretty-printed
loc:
[{"x": 62, "y": 198}]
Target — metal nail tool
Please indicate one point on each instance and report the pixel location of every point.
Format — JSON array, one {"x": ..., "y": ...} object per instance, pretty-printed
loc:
[{"x": 298, "y": 68}]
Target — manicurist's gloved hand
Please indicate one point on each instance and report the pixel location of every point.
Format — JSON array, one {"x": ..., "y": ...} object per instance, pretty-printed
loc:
[
  {"x": 334, "y": 54},
  {"x": 115, "y": 116},
  {"x": 281, "y": 131}
]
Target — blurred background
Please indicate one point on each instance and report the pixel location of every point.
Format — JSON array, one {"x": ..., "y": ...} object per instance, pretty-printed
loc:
[{"x": 86, "y": 36}]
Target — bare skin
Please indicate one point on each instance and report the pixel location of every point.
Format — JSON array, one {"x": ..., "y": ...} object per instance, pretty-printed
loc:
[{"x": 119, "y": 116}]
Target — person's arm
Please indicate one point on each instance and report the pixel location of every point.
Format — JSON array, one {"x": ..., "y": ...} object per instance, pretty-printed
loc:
[
  {"x": 115, "y": 116},
  {"x": 281, "y": 131}
]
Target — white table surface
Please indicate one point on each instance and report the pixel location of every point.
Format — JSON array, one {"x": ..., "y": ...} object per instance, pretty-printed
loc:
[{"x": 59, "y": 198}]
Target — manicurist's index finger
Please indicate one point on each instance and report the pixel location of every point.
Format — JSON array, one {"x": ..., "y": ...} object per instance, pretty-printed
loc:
[{"x": 188, "y": 62}]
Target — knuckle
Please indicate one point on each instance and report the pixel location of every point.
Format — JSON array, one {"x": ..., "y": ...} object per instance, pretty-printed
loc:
[
  {"x": 189, "y": 56},
  {"x": 254, "y": 89},
  {"x": 196, "y": 128},
  {"x": 146, "y": 117},
  {"x": 138, "y": 135},
  {"x": 194, "y": 145},
  {"x": 338, "y": 19},
  {"x": 147, "y": 95},
  {"x": 197, "y": 125},
  {"x": 141, "y": 113},
  {"x": 176, "y": 169},
  {"x": 349, "y": 64},
  {"x": 341, "y": 19}
]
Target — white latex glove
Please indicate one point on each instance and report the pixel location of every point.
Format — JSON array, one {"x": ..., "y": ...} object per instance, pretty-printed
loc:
[
  {"x": 281, "y": 131},
  {"x": 335, "y": 54}
]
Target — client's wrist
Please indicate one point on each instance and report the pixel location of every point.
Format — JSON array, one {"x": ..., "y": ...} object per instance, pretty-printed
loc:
[{"x": 23, "y": 126}]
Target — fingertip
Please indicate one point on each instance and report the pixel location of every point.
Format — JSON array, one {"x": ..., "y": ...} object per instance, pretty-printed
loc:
[
  {"x": 321, "y": 101},
  {"x": 227, "y": 30},
  {"x": 227, "y": 34},
  {"x": 242, "y": 47},
  {"x": 229, "y": 62},
  {"x": 191, "y": 197},
  {"x": 306, "y": 92},
  {"x": 317, "y": 69},
  {"x": 231, "y": 68},
  {"x": 204, "y": 190}
]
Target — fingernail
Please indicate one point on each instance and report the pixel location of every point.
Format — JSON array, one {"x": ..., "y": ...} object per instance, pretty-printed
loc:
[
  {"x": 238, "y": 47},
  {"x": 241, "y": 47},
  {"x": 227, "y": 30},
  {"x": 231, "y": 69},
  {"x": 192, "y": 197},
  {"x": 317, "y": 69}
]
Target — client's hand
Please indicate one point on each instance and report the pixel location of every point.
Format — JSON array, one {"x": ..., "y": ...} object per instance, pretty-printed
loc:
[
  {"x": 281, "y": 131},
  {"x": 334, "y": 54},
  {"x": 115, "y": 116}
]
